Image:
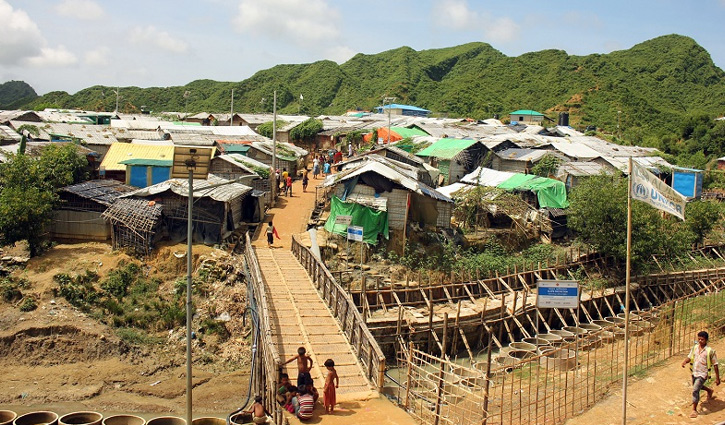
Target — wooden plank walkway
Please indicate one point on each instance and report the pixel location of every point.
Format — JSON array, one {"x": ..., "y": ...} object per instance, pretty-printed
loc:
[{"x": 300, "y": 318}]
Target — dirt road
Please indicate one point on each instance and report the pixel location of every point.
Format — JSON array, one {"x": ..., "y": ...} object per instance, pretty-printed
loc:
[{"x": 662, "y": 397}]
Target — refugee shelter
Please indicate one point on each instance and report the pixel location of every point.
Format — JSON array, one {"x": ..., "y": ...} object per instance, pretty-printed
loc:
[
  {"x": 381, "y": 186},
  {"x": 136, "y": 224},
  {"x": 79, "y": 215},
  {"x": 454, "y": 158},
  {"x": 217, "y": 207}
]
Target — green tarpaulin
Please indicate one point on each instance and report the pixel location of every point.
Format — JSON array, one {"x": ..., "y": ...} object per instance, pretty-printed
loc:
[
  {"x": 372, "y": 221},
  {"x": 550, "y": 193}
]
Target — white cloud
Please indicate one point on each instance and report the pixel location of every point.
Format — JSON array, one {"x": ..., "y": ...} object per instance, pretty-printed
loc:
[
  {"x": 150, "y": 35},
  {"x": 87, "y": 10},
  {"x": 502, "y": 30},
  {"x": 296, "y": 21},
  {"x": 59, "y": 56},
  {"x": 20, "y": 37},
  {"x": 98, "y": 57},
  {"x": 340, "y": 54},
  {"x": 457, "y": 15}
]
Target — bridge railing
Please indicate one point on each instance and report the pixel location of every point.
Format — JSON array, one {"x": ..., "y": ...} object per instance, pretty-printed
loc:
[
  {"x": 268, "y": 368},
  {"x": 343, "y": 308}
]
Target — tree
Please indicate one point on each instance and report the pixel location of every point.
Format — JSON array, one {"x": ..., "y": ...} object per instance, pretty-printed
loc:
[
  {"x": 701, "y": 217},
  {"x": 598, "y": 214},
  {"x": 546, "y": 166},
  {"x": 28, "y": 192},
  {"x": 307, "y": 130}
]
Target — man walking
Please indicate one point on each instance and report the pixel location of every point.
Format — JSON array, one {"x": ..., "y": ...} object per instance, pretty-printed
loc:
[{"x": 702, "y": 358}]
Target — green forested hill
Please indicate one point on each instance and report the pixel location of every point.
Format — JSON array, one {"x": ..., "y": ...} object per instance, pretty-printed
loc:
[
  {"x": 654, "y": 84},
  {"x": 15, "y": 93}
]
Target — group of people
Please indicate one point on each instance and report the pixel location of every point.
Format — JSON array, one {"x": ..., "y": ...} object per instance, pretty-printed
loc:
[
  {"x": 284, "y": 182},
  {"x": 300, "y": 399},
  {"x": 320, "y": 163}
]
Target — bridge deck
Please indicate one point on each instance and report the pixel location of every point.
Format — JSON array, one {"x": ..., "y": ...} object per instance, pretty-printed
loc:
[{"x": 300, "y": 318}]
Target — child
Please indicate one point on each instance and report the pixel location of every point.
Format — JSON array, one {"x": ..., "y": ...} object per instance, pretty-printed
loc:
[
  {"x": 329, "y": 391},
  {"x": 284, "y": 392},
  {"x": 305, "y": 181},
  {"x": 257, "y": 411},
  {"x": 289, "y": 186},
  {"x": 271, "y": 233},
  {"x": 304, "y": 365}
]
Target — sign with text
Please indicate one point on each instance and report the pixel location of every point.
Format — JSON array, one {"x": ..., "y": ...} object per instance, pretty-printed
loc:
[
  {"x": 343, "y": 219},
  {"x": 355, "y": 233},
  {"x": 557, "y": 294}
]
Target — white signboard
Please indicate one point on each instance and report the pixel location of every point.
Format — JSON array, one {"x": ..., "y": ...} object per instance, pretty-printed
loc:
[
  {"x": 557, "y": 294},
  {"x": 355, "y": 233},
  {"x": 343, "y": 219}
]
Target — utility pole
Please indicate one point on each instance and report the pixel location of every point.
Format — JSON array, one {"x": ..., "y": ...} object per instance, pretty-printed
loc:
[
  {"x": 231, "y": 115},
  {"x": 389, "y": 100},
  {"x": 274, "y": 145},
  {"x": 118, "y": 90}
]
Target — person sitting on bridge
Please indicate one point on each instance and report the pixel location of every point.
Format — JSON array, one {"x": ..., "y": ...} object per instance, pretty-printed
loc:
[
  {"x": 305, "y": 404},
  {"x": 284, "y": 392},
  {"x": 304, "y": 365}
]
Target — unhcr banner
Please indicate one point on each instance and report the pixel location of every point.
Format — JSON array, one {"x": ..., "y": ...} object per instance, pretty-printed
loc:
[{"x": 646, "y": 187}]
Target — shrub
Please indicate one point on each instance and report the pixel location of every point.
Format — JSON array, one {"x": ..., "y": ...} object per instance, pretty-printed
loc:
[{"x": 28, "y": 304}]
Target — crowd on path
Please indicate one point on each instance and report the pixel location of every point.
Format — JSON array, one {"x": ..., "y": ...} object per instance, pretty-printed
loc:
[{"x": 300, "y": 400}]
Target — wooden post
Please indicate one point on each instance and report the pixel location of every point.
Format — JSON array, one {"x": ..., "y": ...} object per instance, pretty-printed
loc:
[
  {"x": 441, "y": 370},
  {"x": 409, "y": 377},
  {"x": 430, "y": 325},
  {"x": 488, "y": 382}
]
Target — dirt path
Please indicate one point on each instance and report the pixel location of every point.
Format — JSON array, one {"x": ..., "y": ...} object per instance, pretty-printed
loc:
[
  {"x": 290, "y": 215},
  {"x": 663, "y": 396}
]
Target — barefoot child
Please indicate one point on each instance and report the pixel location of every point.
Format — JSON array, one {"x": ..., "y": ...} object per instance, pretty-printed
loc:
[
  {"x": 257, "y": 411},
  {"x": 329, "y": 391},
  {"x": 271, "y": 233},
  {"x": 304, "y": 365}
]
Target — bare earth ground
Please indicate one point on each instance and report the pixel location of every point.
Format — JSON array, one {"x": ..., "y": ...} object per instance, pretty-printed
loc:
[
  {"x": 663, "y": 397},
  {"x": 57, "y": 357}
]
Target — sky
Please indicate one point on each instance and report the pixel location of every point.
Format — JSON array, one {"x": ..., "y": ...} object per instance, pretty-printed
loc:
[{"x": 69, "y": 45}]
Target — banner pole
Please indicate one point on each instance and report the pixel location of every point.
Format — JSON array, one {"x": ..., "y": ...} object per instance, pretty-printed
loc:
[{"x": 626, "y": 296}]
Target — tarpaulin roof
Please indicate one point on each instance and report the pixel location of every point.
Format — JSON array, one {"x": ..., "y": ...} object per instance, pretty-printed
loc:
[
  {"x": 550, "y": 193},
  {"x": 447, "y": 148},
  {"x": 373, "y": 222}
]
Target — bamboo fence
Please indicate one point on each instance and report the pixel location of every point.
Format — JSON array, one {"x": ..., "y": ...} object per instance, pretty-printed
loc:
[
  {"x": 559, "y": 382},
  {"x": 343, "y": 308},
  {"x": 269, "y": 366}
]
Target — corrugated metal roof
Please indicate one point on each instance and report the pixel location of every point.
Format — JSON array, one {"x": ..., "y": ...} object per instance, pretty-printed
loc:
[
  {"x": 7, "y": 134},
  {"x": 581, "y": 169},
  {"x": 575, "y": 150},
  {"x": 447, "y": 148},
  {"x": 122, "y": 151},
  {"x": 385, "y": 170},
  {"x": 248, "y": 161},
  {"x": 622, "y": 163},
  {"x": 104, "y": 192},
  {"x": 233, "y": 160},
  {"x": 90, "y": 134},
  {"x": 223, "y": 193}
]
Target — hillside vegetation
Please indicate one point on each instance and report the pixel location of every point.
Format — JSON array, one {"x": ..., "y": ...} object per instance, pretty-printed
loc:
[
  {"x": 654, "y": 84},
  {"x": 16, "y": 93}
]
